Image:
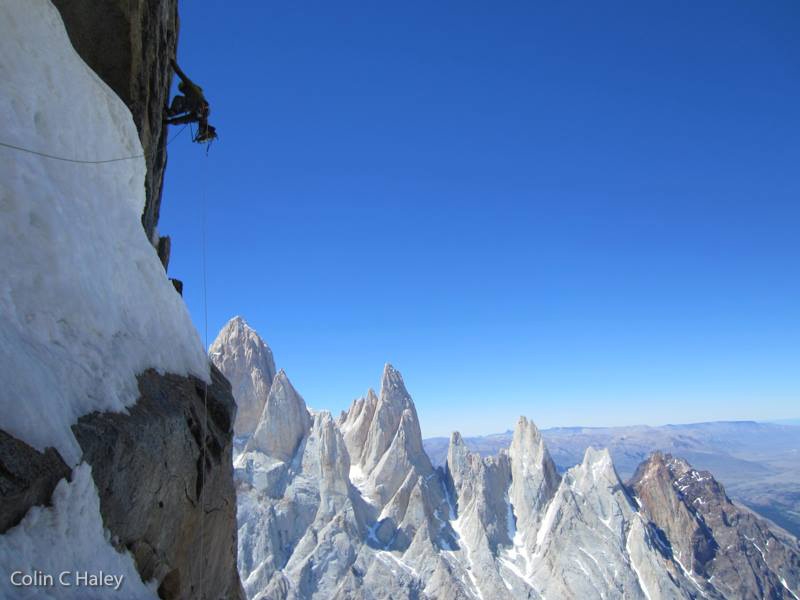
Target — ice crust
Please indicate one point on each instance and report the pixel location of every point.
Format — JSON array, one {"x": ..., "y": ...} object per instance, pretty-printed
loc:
[{"x": 68, "y": 536}]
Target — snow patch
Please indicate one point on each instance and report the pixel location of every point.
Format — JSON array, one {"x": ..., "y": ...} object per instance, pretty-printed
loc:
[
  {"x": 512, "y": 566},
  {"x": 361, "y": 482},
  {"x": 68, "y": 536},
  {"x": 756, "y": 546},
  {"x": 691, "y": 577},
  {"x": 783, "y": 582},
  {"x": 383, "y": 555},
  {"x": 548, "y": 521},
  {"x": 456, "y": 525},
  {"x": 633, "y": 565}
]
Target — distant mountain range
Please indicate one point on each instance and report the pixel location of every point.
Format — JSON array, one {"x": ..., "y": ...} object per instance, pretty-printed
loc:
[
  {"x": 785, "y": 421},
  {"x": 758, "y": 463},
  {"x": 352, "y": 507}
]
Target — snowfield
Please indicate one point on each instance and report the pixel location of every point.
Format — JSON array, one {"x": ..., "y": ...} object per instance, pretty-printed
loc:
[
  {"x": 85, "y": 304},
  {"x": 68, "y": 536}
]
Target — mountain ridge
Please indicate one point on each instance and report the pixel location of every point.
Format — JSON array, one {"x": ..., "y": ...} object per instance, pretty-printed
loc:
[
  {"x": 757, "y": 461},
  {"x": 357, "y": 510}
]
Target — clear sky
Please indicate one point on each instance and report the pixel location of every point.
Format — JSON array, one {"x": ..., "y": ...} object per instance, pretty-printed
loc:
[{"x": 583, "y": 212}]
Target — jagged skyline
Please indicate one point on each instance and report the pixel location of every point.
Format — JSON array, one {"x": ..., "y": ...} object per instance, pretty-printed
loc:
[
  {"x": 485, "y": 424},
  {"x": 748, "y": 456},
  {"x": 333, "y": 507},
  {"x": 588, "y": 215}
]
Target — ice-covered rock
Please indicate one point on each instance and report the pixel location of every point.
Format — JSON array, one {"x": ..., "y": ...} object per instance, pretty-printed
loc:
[
  {"x": 384, "y": 437},
  {"x": 99, "y": 360},
  {"x": 305, "y": 527},
  {"x": 283, "y": 423},
  {"x": 246, "y": 361},
  {"x": 68, "y": 537},
  {"x": 358, "y": 512},
  {"x": 394, "y": 411},
  {"x": 355, "y": 424},
  {"x": 85, "y": 305},
  {"x": 482, "y": 516},
  {"x": 534, "y": 480},
  {"x": 580, "y": 542},
  {"x": 483, "y": 484},
  {"x": 132, "y": 56}
]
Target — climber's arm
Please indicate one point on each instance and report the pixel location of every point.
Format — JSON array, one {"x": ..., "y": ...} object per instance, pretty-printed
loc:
[{"x": 180, "y": 73}]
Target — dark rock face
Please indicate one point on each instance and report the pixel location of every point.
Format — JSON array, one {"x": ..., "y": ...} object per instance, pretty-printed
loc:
[
  {"x": 734, "y": 553},
  {"x": 129, "y": 44},
  {"x": 27, "y": 478},
  {"x": 159, "y": 494}
]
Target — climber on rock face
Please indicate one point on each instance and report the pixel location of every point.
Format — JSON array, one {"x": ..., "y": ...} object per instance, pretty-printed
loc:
[{"x": 191, "y": 107}]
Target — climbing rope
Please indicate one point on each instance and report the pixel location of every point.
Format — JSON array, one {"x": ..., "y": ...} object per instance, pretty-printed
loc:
[
  {"x": 180, "y": 131},
  {"x": 83, "y": 162},
  {"x": 71, "y": 160},
  {"x": 203, "y": 228}
]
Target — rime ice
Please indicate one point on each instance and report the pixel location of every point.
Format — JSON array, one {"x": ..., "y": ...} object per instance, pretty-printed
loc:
[{"x": 85, "y": 305}]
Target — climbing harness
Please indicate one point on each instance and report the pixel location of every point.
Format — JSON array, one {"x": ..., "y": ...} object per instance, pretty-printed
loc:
[{"x": 198, "y": 140}]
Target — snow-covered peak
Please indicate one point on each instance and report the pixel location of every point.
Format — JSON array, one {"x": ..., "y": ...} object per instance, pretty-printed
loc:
[
  {"x": 237, "y": 332},
  {"x": 597, "y": 458},
  {"x": 534, "y": 478},
  {"x": 328, "y": 454},
  {"x": 247, "y": 362},
  {"x": 393, "y": 389},
  {"x": 595, "y": 471},
  {"x": 372, "y": 424},
  {"x": 355, "y": 424},
  {"x": 386, "y": 419},
  {"x": 461, "y": 464},
  {"x": 526, "y": 435},
  {"x": 530, "y": 458},
  {"x": 283, "y": 423},
  {"x": 484, "y": 527}
]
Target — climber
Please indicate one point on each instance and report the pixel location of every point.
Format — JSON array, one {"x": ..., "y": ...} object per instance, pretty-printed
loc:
[{"x": 191, "y": 107}]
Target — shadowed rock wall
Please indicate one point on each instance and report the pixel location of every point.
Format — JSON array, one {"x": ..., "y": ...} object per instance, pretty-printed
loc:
[{"x": 157, "y": 493}]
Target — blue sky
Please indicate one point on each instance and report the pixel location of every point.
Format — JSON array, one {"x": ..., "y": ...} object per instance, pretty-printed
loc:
[{"x": 586, "y": 213}]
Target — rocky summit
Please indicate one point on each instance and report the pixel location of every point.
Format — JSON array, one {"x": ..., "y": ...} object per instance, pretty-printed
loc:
[
  {"x": 247, "y": 362},
  {"x": 352, "y": 508}
]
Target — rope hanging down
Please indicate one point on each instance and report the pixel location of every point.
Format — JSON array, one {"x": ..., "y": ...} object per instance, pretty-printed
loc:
[
  {"x": 83, "y": 162},
  {"x": 205, "y": 316},
  {"x": 204, "y": 238}
]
